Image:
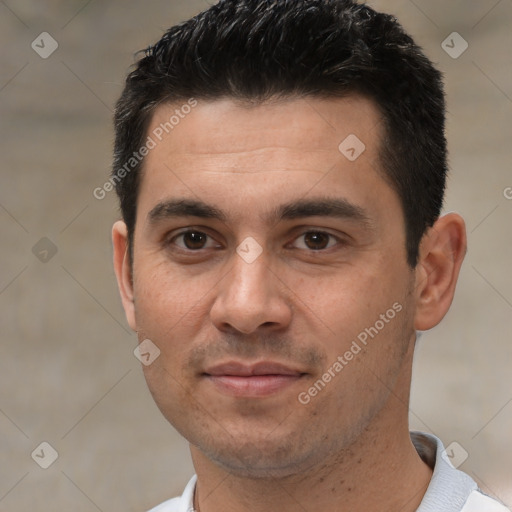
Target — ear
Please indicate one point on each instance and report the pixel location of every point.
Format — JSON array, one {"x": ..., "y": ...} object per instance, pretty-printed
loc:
[
  {"x": 123, "y": 271},
  {"x": 442, "y": 250}
]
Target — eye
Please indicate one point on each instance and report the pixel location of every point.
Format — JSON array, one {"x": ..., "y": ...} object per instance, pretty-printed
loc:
[
  {"x": 192, "y": 240},
  {"x": 317, "y": 240}
]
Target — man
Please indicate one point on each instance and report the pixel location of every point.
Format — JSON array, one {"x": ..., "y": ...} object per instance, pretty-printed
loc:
[{"x": 281, "y": 167}]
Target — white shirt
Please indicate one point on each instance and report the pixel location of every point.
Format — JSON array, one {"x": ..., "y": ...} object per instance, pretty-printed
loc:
[{"x": 450, "y": 490}]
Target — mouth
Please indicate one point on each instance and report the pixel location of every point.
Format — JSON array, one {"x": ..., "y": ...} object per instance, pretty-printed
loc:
[{"x": 252, "y": 380}]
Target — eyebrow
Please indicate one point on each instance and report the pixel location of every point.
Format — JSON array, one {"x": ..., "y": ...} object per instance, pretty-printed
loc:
[{"x": 317, "y": 207}]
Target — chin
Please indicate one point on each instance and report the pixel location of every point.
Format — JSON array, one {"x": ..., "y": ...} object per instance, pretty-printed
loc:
[{"x": 261, "y": 459}]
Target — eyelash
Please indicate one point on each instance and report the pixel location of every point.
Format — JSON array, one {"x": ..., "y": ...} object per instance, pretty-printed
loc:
[{"x": 309, "y": 231}]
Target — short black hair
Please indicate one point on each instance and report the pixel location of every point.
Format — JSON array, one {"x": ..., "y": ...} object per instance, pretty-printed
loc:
[{"x": 255, "y": 50}]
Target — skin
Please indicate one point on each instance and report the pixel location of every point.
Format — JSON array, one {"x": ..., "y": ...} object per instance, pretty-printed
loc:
[{"x": 302, "y": 302}]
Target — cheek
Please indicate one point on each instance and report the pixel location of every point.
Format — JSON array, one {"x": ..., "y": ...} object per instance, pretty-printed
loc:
[
  {"x": 169, "y": 310},
  {"x": 366, "y": 318},
  {"x": 344, "y": 301},
  {"x": 172, "y": 309},
  {"x": 165, "y": 294}
]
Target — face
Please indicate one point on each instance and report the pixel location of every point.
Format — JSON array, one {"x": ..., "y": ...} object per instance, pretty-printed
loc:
[{"x": 269, "y": 269}]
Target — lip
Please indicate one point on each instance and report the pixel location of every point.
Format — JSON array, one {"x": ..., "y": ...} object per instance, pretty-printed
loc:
[
  {"x": 252, "y": 380},
  {"x": 237, "y": 369}
]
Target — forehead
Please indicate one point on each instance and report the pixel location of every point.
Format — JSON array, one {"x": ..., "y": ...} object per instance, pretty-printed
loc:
[
  {"x": 245, "y": 157},
  {"x": 229, "y": 126}
]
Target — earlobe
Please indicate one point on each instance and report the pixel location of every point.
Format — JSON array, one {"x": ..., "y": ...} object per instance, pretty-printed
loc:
[
  {"x": 442, "y": 252},
  {"x": 123, "y": 271}
]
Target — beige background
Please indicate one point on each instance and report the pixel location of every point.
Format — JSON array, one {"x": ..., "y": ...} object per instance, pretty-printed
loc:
[{"x": 67, "y": 372}]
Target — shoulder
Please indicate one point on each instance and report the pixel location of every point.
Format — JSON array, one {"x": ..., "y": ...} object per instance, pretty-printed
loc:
[
  {"x": 479, "y": 502},
  {"x": 168, "y": 506},
  {"x": 184, "y": 503},
  {"x": 450, "y": 490}
]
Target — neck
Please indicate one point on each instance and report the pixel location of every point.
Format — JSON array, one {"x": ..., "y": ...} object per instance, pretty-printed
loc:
[{"x": 380, "y": 471}]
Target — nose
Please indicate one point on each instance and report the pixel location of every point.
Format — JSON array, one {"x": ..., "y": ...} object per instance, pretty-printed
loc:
[{"x": 251, "y": 297}]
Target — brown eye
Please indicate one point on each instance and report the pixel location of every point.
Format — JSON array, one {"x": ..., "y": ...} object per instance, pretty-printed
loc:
[
  {"x": 316, "y": 240},
  {"x": 192, "y": 241}
]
